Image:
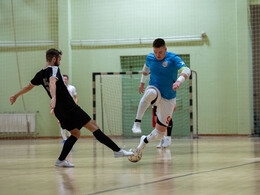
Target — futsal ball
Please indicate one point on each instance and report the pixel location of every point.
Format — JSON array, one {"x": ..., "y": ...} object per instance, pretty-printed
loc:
[{"x": 136, "y": 157}]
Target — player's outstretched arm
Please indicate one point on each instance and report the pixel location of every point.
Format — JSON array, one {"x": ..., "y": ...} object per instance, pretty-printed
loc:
[
  {"x": 145, "y": 74},
  {"x": 141, "y": 88},
  {"x": 21, "y": 92},
  {"x": 184, "y": 75}
]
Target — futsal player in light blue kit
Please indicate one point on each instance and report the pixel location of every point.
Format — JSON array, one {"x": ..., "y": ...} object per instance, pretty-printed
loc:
[{"x": 163, "y": 67}]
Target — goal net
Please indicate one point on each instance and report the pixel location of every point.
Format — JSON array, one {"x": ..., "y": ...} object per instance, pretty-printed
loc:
[{"x": 116, "y": 99}]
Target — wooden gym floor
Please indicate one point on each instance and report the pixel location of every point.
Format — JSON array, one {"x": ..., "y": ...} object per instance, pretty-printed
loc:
[{"x": 208, "y": 165}]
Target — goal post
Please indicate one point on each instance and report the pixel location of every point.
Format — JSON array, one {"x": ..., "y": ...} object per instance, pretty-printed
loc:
[{"x": 116, "y": 100}]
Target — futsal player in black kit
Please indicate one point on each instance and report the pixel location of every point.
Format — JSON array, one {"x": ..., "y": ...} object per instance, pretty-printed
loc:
[{"x": 70, "y": 115}]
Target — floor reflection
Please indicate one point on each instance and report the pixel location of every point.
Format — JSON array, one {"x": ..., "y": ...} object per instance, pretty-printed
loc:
[
  {"x": 163, "y": 154},
  {"x": 65, "y": 179}
]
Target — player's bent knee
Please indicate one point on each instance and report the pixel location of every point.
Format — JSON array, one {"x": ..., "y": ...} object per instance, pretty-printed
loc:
[
  {"x": 75, "y": 133},
  {"x": 150, "y": 95}
]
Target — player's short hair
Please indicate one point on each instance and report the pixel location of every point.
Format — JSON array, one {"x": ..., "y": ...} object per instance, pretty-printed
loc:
[
  {"x": 158, "y": 43},
  {"x": 52, "y": 53},
  {"x": 66, "y": 76}
]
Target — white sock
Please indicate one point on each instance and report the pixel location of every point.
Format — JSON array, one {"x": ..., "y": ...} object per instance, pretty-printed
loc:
[
  {"x": 141, "y": 146},
  {"x": 155, "y": 135},
  {"x": 63, "y": 133},
  {"x": 148, "y": 97},
  {"x": 143, "y": 105}
]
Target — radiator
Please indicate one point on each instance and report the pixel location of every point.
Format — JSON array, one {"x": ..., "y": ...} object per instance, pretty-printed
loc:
[{"x": 18, "y": 122}]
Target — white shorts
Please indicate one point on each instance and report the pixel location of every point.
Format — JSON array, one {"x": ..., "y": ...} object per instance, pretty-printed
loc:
[{"x": 165, "y": 109}]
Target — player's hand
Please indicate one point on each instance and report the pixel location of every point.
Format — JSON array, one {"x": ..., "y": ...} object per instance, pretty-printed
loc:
[
  {"x": 52, "y": 112},
  {"x": 12, "y": 99},
  {"x": 53, "y": 103},
  {"x": 176, "y": 85},
  {"x": 141, "y": 88}
]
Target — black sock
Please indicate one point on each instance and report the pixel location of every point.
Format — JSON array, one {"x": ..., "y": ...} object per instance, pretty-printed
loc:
[
  {"x": 101, "y": 137},
  {"x": 169, "y": 128},
  {"x": 137, "y": 120},
  {"x": 67, "y": 147}
]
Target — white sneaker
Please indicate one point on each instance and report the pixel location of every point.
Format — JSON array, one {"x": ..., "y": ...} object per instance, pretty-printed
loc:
[
  {"x": 63, "y": 163},
  {"x": 160, "y": 144},
  {"x": 137, "y": 128},
  {"x": 122, "y": 153},
  {"x": 142, "y": 144},
  {"x": 166, "y": 141}
]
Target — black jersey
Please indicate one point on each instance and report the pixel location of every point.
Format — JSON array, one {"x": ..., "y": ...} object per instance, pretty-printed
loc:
[
  {"x": 64, "y": 101},
  {"x": 69, "y": 114}
]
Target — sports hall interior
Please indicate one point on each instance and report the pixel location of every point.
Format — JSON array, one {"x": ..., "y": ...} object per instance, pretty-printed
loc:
[{"x": 215, "y": 145}]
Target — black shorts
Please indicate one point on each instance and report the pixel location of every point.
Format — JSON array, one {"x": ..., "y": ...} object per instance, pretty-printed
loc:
[{"x": 75, "y": 118}]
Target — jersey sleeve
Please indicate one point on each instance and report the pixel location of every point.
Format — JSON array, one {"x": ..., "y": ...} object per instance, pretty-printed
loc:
[
  {"x": 55, "y": 72},
  {"x": 36, "y": 79},
  {"x": 148, "y": 60}
]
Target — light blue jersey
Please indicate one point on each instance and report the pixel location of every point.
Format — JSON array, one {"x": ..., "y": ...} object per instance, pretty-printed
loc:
[{"x": 164, "y": 73}]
